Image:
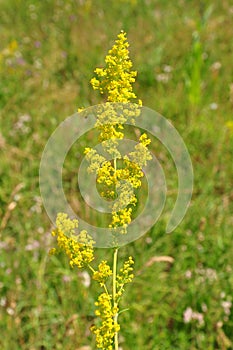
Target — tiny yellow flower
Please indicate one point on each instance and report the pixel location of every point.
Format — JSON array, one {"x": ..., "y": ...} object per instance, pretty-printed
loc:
[{"x": 104, "y": 271}]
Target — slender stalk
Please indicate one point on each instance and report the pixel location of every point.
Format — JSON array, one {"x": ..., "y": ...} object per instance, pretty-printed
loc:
[
  {"x": 115, "y": 165},
  {"x": 91, "y": 268},
  {"x": 114, "y": 288},
  {"x": 114, "y": 291}
]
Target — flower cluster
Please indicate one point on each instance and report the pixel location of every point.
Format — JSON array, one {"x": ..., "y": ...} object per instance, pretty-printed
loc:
[
  {"x": 116, "y": 79},
  {"x": 122, "y": 219},
  {"x": 94, "y": 159},
  {"x": 121, "y": 175},
  {"x": 116, "y": 82},
  {"x": 141, "y": 154},
  {"x": 79, "y": 249},
  {"x": 125, "y": 276},
  {"x": 108, "y": 327},
  {"x": 103, "y": 272}
]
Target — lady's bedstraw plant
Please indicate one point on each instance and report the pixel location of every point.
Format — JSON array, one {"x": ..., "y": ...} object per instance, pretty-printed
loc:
[{"x": 117, "y": 178}]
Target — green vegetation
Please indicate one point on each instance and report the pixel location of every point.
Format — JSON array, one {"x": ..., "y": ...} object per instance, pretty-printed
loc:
[{"x": 182, "y": 52}]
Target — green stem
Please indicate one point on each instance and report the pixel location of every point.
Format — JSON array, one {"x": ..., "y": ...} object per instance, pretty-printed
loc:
[
  {"x": 114, "y": 287},
  {"x": 114, "y": 291},
  {"x": 91, "y": 268},
  {"x": 115, "y": 165}
]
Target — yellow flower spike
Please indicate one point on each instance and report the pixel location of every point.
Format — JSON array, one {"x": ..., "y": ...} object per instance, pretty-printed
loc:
[
  {"x": 125, "y": 275},
  {"x": 106, "y": 330},
  {"x": 117, "y": 179},
  {"x": 115, "y": 81}
]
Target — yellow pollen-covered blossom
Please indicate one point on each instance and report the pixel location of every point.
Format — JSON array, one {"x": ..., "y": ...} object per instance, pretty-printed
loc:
[
  {"x": 135, "y": 173},
  {"x": 104, "y": 271},
  {"x": 145, "y": 141},
  {"x": 105, "y": 174},
  {"x": 79, "y": 249},
  {"x": 108, "y": 327},
  {"x": 141, "y": 154},
  {"x": 94, "y": 159},
  {"x": 122, "y": 219},
  {"x": 125, "y": 196},
  {"x": 65, "y": 224}
]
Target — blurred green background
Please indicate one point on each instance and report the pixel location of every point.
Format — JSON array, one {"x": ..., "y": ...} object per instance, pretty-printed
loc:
[{"x": 183, "y": 54}]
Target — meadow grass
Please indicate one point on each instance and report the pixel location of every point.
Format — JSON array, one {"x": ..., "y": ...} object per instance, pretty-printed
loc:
[{"x": 183, "y": 54}]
